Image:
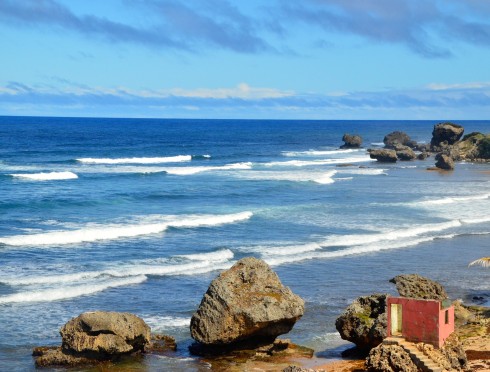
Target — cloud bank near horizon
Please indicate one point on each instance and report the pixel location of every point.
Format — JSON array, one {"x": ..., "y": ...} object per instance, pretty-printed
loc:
[
  {"x": 427, "y": 28},
  {"x": 432, "y": 101}
]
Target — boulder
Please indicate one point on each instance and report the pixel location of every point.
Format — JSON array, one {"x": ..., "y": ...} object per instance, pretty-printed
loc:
[
  {"x": 423, "y": 155},
  {"x": 474, "y": 146},
  {"x": 383, "y": 155},
  {"x": 246, "y": 304},
  {"x": 405, "y": 153},
  {"x": 416, "y": 286},
  {"x": 390, "y": 358},
  {"x": 351, "y": 141},
  {"x": 447, "y": 133},
  {"x": 398, "y": 138},
  {"x": 364, "y": 322},
  {"x": 103, "y": 335},
  {"x": 444, "y": 162}
]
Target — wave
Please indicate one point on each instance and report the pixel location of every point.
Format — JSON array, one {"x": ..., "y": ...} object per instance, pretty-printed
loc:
[
  {"x": 304, "y": 163},
  {"x": 93, "y": 233},
  {"x": 66, "y": 292},
  {"x": 317, "y": 177},
  {"x": 51, "y": 176},
  {"x": 185, "y": 171},
  {"x": 161, "y": 323},
  {"x": 364, "y": 171},
  {"x": 318, "y": 152},
  {"x": 453, "y": 199},
  {"x": 154, "y": 160}
]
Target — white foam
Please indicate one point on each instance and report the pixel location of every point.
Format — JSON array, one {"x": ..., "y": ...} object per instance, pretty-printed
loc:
[
  {"x": 453, "y": 199},
  {"x": 476, "y": 220},
  {"x": 51, "y": 176},
  {"x": 221, "y": 255},
  {"x": 318, "y": 152},
  {"x": 304, "y": 163},
  {"x": 292, "y": 176},
  {"x": 185, "y": 171},
  {"x": 364, "y": 171},
  {"x": 161, "y": 323},
  {"x": 61, "y": 293},
  {"x": 154, "y": 160},
  {"x": 93, "y": 233}
]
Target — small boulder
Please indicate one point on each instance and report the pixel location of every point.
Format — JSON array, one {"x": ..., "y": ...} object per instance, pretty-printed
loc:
[
  {"x": 103, "y": 335},
  {"x": 398, "y": 138},
  {"x": 246, "y": 304},
  {"x": 423, "y": 155},
  {"x": 416, "y": 286},
  {"x": 405, "y": 153},
  {"x": 447, "y": 133},
  {"x": 390, "y": 358},
  {"x": 383, "y": 155},
  {"x": 364, "y": 322},
  {"x": 444, "y": 162},
  {"x": 351, "y": 141}
]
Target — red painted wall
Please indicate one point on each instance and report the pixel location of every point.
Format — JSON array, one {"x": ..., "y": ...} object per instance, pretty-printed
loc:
[{"x": 423, "y": 320}]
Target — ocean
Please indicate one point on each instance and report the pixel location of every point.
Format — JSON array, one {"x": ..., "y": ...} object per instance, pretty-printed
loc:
[{"x": 139, "y": 215}]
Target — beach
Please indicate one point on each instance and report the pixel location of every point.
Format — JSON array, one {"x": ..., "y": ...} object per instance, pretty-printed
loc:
[{"x": 141, "y": 215}]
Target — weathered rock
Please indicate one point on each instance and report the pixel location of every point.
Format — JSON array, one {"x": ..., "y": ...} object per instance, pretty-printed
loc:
[
  {"x": 474, "y": 146},
  {"x": 245, "y": 304},
  {"x": 364, "y": 322},
  {"x": 393, "y": 139},
  {"x": 301, "y": 369},
  {"x": 444, "y": 162},
  {"x": 351, "y": 141},
  {"x": 390, "y": 358},
  {"x": 416, "y": 286},
  {"x": 103, "y": 335},
  {"x": 447, "y": 133},
  {"x": 423, "y": 147},
  {"x": 451, "y": 356},
  {"x": 405, "y": 153},
  {"x": 383, "y": 155},
  {"x": 55, "y": 356},
  {"x": 423, "y": 155},
  {"x": 161, "y": 343}
]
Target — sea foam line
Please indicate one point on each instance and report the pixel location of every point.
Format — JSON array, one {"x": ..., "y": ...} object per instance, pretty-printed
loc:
[
  {"x": 65, "y": 292},
  {"x": 318, "y": 152},
  {"x": 453, "y": 199},
  {"x": 51, "y": 176},
  {"x": 154, "y": 160},
  {"x": 304, "y": 163},
  {"x": 293, "y": 176},
  {"x": 114, "y": 231}
]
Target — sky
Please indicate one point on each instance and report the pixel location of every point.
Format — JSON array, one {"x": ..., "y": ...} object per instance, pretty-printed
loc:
[{"x": 253, "y": 59}]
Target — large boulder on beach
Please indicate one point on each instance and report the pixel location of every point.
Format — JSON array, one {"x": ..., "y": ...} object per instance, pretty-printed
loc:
[
  {"x": 245, "y": 304},
  {"x": 351, "y": 141},
  {"x": 444, "y": 162},
  {"x": 416, "y": 286},
  {"x": 446, "y": 133},
  {"x": 102, "y": 334},
  {"x": 395, "y": 138},
  {"x": 383, "y": 155},
  {"x": 364, "y": 322},
  {"x": 390, "y": 358}
]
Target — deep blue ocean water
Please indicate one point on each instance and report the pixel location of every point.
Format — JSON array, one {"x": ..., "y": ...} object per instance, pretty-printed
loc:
[{"x": 140, "y": 215}]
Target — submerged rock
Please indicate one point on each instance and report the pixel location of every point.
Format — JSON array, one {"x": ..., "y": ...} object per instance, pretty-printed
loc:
[
  {"x": 351, "y": 141},
  {"x": 246, "y": 304},
  {"x": 383, "y": 155},
  {"x": 444, "y": 162},
  {"x": 416, "y": 286},
  {"x": 364, "y": 322}
]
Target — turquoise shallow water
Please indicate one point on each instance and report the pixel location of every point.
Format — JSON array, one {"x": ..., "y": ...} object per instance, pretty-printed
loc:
[{"x": 140, "y": 215}]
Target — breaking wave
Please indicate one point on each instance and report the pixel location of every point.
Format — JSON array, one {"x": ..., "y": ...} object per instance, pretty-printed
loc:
[
  {"x": 93, "y": 233},
  {"x": 154, "y": 160},
  {"x": 318, "y": 152},
  {"x": 317, "y": 177},
  {"x": 51, "y": 176}
]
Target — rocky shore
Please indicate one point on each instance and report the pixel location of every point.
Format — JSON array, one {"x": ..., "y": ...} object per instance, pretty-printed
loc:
[{"x": 243, "y": 312}]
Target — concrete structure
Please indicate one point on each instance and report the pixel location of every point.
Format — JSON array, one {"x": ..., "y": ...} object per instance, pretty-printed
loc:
[{"x": 417, "y": 320}]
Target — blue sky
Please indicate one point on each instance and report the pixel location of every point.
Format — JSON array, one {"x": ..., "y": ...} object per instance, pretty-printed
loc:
[{"x": 284, "y": 59}]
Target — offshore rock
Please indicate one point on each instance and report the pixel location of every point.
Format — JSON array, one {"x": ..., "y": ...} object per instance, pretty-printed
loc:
[
  {"x": 405, "y": 153},
  {"x": 416, "y": 286},
  {"x": 390, "y": 358},
  {"x": 351, "y": 141},
  {"x": 423, "y": 155},
  {"x": 444, "y": 162},
  {"x": 103, "y": 335},
  {"x": 398, "y": 138},
  {"x": 245, "y": 305},
  {"x": 364, "y": 322},
  {"x": 383, "y": 155},
  {"x": 474, "y": 146},
  {"x": 445, "y": 133}
]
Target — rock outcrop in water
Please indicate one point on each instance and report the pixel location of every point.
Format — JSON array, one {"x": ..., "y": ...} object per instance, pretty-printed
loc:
[
  {"x": 444, "y": 162},
  {"x": 445, "y": 134},
  {"x": 364, "y": 322},
  {"x": 383, "y": 155},
  {"x": 96, "y": 336},
  {"x": 245, "y": 305},
  {"x": 474, "y": 147},
  {"x": 397, "y": 138},
  {"x": 405, "y": 153},
  {"x": 351, "y": 141}
]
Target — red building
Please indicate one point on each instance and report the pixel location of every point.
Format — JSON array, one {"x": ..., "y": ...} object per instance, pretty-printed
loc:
[{"x": 416, "y": 320}]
